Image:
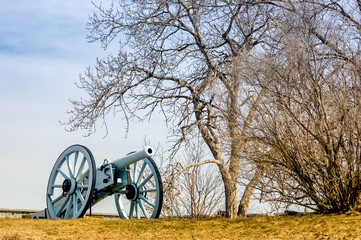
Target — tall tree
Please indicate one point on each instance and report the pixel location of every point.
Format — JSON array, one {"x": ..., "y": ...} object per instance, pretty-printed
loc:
[
  {"x": 311, "y": 119},
  {"x": 184, "y": 58}
]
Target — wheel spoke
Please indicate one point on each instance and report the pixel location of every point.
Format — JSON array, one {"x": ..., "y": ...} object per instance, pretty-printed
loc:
[
  {"x": 62, "y": 173},
  {"x": 146, "y": 200},
  {"x": 81, "y": 167},
  {"x": 120, "y": 204},
  {"x": 75, "y": 160},
  {"x": 145, "y": 180},
  {"x": 141, "y": 172},
  {"x": 56, "y": 199},
  {"x": 68, "y": 209},
  {"x": 143, "y": 210},
  {"x": 136, "y": 210},
  {"x": 68, "y": 164},
  {"x": 80, "y": 196},
  {"x": 131, "y": 210},
  {"x": 51, "y": 206},
  {"x": 147, "y": 190},
  {"x": 83, "y": 176},
  {"x": 75, "y": 204},
  {"x": 60, "y": 210}
]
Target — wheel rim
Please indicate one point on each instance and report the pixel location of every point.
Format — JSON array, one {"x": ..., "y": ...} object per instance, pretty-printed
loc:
[
  {"x": 71, "y": 183},
  {"x": 143, "y": 197}
]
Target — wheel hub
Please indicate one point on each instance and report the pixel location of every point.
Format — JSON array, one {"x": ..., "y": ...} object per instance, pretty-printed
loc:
[
  {"x": 69, "y": 186},
  {"x": 131, "y": 192}
]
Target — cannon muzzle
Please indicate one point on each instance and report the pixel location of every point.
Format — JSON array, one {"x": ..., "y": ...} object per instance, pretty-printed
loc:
[{"x": 133, "y": 157}]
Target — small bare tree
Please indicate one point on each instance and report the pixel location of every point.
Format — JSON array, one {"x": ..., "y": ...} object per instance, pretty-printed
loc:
[
  {"x": 192, "y": 190},
  {"x": 185, "y": 59}
]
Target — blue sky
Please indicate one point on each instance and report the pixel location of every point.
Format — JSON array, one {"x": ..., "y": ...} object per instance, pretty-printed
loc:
[{"x": 43, "y": 49}]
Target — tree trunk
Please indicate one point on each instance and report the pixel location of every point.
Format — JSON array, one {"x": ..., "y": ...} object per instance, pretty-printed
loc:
[
  {"x": 248, "y": 192},
  {"x": 231, "y": 198}
]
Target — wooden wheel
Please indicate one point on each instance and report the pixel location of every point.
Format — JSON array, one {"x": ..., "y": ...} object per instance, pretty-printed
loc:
[
  {"x": 71, "y": 183},
  {"x": 143, "y": 196}
]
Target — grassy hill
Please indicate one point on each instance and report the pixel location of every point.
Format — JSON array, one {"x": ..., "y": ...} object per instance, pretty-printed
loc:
[{"x": 310, "y": 226}]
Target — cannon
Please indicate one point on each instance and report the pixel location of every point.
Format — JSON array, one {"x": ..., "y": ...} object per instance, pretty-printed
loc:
[{"x": 75, "y": 184}]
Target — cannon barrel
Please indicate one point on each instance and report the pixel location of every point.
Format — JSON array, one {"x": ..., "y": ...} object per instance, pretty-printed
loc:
[{"x": 133, "y": 157}]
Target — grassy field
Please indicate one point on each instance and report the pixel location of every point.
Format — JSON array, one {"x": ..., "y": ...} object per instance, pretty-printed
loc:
[{"x": 310, "y": 226}]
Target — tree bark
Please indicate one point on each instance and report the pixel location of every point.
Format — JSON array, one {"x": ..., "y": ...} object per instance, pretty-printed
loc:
[
  {"x": 231, "y": 198},
  {"x": 248, "y": 192}
]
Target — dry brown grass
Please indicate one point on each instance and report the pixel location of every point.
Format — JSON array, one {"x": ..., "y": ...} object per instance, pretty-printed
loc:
[{"x": 310, "y": 226}]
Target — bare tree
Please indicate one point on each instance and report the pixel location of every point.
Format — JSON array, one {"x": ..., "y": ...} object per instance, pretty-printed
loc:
[
  {"x": 310, "y": 120},
  {"x": 192, "y": 190},
  {"x": 185, "y": 59}
]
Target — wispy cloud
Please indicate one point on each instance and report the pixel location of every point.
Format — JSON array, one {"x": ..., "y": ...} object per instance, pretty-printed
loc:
[
  {"x": 43, "y": 27},
  {"x": 37, "y": 39}
]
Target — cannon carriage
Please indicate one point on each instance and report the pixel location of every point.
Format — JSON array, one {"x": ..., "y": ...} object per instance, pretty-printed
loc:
[{"x": 75, "y": 184}]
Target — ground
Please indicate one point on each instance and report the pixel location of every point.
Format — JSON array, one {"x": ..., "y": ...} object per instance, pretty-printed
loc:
[{"x": 309, "y": 226}]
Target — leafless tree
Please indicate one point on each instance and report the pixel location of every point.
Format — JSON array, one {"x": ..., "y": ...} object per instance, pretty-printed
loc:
[
  {"x": 310, "y": 120},
  {"x": 185, "y": 59},
  {"x": 192, "y": 190}
]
